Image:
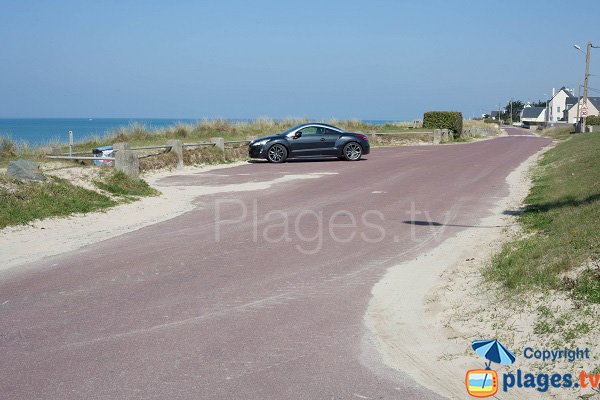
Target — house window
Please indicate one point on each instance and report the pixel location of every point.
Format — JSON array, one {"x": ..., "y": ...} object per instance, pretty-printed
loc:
[{"x": 558, "y": 109}]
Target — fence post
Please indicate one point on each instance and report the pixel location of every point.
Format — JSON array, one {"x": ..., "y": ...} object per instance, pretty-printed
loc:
[
  {"x": 219, "y": 142},
  {"x": 177, "y": 148},
  {"x": 437, "y": 136},
  {"x": 126, "y": 160}
]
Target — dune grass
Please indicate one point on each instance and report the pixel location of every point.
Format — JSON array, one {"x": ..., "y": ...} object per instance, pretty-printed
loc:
[
  {"x": 117, "y": 183},
  {"x": 140, "y": 135},
  {"x": 12, "y": 150},
  {"x": 561, "y": 225}
]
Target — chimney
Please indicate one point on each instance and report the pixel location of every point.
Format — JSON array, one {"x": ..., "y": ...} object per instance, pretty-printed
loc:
[{"x": 553, "y": 92}]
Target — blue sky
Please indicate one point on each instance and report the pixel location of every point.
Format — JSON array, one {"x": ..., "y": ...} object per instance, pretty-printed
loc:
[{"x": 316, "y": 59}]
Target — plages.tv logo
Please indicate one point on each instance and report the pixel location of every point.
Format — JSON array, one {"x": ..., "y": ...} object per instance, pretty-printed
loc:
[{"x": 484, "y": 382}]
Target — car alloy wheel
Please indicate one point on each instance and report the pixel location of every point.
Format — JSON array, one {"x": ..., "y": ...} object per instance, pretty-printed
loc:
[
  {"x": 352, "y": 151},
  {"x": 277, "y": 153}
]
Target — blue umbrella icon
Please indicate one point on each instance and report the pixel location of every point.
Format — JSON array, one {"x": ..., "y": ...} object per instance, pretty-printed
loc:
[{"x": 493, "y": 351}]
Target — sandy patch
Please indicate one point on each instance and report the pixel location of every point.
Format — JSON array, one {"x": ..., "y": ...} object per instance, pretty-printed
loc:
[
  {"x": 425, "y": 313},
  {"x": 21, "y": 245}
]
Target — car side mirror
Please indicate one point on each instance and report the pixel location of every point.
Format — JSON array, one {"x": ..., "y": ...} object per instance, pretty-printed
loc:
[{"x": 297, "y": 134}]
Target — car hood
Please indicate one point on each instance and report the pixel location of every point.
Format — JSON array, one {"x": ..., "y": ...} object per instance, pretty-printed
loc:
[{"x": 270, "y": 137}]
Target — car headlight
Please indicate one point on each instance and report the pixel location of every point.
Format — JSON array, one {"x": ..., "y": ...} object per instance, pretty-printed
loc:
[{"x": 260, "y": 142}]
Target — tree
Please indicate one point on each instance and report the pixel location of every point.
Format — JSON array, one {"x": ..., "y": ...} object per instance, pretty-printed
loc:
[
  {"x": 539, "y": 103},
  {"x": 517, "y": 107}
]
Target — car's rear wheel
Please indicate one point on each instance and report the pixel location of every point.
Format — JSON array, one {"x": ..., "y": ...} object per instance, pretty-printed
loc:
[
  {"x": 277, "y": 153},
  {"x": 352, "y": 151}
]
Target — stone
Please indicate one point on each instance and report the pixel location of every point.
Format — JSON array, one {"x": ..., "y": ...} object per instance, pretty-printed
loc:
[{"x": 25, "y": 170}]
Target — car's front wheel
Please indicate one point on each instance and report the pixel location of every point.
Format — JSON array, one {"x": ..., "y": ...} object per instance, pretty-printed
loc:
[
  {"x": 277, "y": 153},
  {"x": 352, "y": 151}
]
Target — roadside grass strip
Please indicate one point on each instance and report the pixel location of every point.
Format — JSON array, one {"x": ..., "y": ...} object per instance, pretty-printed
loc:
[{"x": 560, "y": 248}]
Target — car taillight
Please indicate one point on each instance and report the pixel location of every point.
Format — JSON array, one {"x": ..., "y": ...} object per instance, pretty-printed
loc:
[{"x": 363, "y": 137}]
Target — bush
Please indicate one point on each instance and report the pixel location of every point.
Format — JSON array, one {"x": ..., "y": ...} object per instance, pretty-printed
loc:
[
  {"x": 593, "y": 120},
  {"x": 444, "y": 120}
]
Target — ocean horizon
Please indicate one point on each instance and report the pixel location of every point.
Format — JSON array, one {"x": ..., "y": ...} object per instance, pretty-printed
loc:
[{"x": 43, "y": 131}]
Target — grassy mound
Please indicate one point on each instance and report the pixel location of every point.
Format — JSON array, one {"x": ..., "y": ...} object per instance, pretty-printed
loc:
[{"x": 23, "y": 202}]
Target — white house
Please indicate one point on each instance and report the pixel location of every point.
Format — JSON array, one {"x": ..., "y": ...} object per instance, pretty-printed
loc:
[
  {"x": 593, "y": 106},
  {"x": 561, "y": 100},
  {"x": 533, "y": 115}
]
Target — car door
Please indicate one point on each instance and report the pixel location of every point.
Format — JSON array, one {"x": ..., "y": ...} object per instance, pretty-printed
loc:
[
  {"x": 328, "y": 139},
  {"x": 308, "y": 143}
]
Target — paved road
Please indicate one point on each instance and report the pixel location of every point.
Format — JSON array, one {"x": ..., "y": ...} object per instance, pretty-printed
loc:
[{"x": 171, "y": 312}]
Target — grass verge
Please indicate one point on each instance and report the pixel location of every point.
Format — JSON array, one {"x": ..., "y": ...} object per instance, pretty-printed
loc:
[
  {"x": 23, "y": 202},
  {"x": 561, "y": 247}
]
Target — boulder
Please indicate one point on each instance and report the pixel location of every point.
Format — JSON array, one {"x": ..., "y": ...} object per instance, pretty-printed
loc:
[{"x": 25, "y": 170}]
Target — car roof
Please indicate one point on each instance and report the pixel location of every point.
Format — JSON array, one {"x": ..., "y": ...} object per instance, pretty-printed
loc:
[{"x": 319, "y": 124}]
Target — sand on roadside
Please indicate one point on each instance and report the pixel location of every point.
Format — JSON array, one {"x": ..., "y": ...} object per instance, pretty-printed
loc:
[
  {"x": 424, "y": 313},
  {"x": 25, "y": 244}
]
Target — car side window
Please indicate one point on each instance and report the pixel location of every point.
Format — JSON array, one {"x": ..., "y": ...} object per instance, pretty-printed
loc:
[
  {"x": 309, "y": 130},
  {"x": 330, "y": 132}
]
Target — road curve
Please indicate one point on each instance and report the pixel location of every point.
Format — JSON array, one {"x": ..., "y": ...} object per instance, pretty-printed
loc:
[{"x": 183, "y": 310}]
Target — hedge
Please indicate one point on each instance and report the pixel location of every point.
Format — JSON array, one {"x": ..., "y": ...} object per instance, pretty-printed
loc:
[
  {"x": 593, "y": 120},
  {"x": 444, "y": 120}
]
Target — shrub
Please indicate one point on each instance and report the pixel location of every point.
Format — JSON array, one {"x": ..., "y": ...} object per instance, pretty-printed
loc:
[
  {"x": 593, "y": 120},
  {"x": 444, "y": 120}
]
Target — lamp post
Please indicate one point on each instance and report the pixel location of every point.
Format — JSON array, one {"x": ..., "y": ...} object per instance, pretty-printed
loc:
[{"x": 585, "y": 81}]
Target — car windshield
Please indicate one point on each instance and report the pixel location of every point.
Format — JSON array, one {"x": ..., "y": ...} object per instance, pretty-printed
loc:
[
  {"x": 290, "y": 130},
  {"x": 302, "y": 125}
]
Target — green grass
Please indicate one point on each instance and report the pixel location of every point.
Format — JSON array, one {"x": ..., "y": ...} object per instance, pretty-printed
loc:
[
  {"x": 117, "y": 183},
  {"x": 561, "y": 225},
  {"x": 23, "y": 202}
]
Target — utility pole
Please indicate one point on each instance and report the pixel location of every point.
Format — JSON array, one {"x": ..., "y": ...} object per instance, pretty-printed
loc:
[{"x": 585, "y": 84}]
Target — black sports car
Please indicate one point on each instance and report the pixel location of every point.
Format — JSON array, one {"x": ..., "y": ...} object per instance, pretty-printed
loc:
[{"x": 310, "y": 140}]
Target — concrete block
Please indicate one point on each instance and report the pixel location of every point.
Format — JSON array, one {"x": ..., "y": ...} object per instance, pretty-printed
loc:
[
  {"x": 177, "y": 148},
  {"x": 437, "y": 136},
  {"x": 219, "y": 142},
  {"x": 444, "y": 135},
  {"x": 126, "y": 160}
]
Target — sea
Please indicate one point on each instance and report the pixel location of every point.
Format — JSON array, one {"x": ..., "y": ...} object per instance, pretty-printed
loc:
[{"x": 43, "y": 131}]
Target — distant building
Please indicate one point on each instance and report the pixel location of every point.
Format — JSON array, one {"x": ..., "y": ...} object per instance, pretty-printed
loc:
[
  {"x": 593, "y": 106},
  {"x": 533, "y": 115},
  {"x": 561, "y": 100}
]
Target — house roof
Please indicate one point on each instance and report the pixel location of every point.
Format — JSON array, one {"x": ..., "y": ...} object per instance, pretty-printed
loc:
[
  {"x": 595, "y": 101},
  {"x": 532, "y": 112},
  {"x": 571, "y": 101},
  {"x": 567, "y": 91}
]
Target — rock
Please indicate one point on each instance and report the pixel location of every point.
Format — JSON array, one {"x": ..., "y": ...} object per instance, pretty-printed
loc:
[{"x": 25, "y": 170}]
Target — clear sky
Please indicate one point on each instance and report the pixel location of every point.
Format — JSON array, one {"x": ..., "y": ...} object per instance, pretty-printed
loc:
[{"x": 316, "y": 59}]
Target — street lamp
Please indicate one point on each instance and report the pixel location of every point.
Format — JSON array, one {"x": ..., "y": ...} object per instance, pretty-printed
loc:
[{"x": 585, "y": 82}]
